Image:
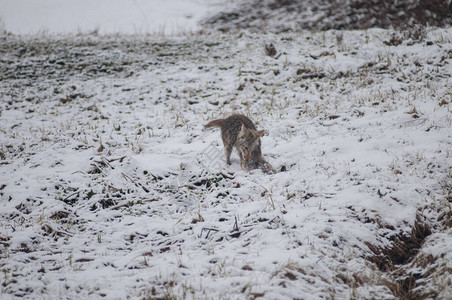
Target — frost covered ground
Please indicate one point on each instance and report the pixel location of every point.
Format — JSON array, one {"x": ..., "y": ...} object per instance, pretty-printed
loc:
[{"x": 111, "y": 188}]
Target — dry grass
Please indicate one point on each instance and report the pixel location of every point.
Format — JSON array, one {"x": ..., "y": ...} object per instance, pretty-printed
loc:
[{"x": 393, "y": 261}]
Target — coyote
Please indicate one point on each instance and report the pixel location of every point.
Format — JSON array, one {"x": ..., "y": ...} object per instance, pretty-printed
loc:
[{"x": 239, "y": 131}]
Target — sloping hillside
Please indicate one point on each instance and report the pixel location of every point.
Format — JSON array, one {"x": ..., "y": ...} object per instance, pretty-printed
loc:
[{"x": 293, "y": 15}]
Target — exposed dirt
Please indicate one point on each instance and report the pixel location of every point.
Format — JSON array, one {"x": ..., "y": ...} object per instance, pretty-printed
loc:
[{"x": 292, "y": 15}]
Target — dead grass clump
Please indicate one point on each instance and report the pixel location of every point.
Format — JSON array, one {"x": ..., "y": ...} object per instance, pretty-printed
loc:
[
  {"x": 404, "y": 248},
  {"x": 393, "y": 261}
]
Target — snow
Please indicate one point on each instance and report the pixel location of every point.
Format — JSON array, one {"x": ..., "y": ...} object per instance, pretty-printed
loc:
[
  {"x": 106, "y": 16},
  {"x": 112, "y": 188}
]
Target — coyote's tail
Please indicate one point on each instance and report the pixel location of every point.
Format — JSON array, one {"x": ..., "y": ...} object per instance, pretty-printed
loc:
[{"x": 214, "y": 123}]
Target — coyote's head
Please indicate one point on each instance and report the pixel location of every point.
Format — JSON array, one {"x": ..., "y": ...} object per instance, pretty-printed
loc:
[{"x": 248, "y": 141}]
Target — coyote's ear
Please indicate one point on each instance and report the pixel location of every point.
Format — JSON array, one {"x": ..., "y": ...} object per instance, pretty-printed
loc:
[
  {"x": 243, "y": 129},
  {"x": 259, "y": 133}
]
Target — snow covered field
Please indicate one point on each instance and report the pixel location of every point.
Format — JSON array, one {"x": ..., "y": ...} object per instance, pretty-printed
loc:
[
  {"x": 106, "y": 16},
  {"x": 111, "y": 188}
]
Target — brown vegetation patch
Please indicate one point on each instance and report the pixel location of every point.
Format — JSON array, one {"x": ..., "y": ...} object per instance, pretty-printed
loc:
[
  {"x": 291, "y": 15},
  {"x": 393, "y": 261},
  {"x": 404, "y": 247}
]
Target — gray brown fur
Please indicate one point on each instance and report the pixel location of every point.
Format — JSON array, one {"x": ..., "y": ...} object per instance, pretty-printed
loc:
[{"x": 239, "y": 131}]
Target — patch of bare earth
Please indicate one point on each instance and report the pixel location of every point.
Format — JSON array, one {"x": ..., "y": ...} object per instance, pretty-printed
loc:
[{"x": 293, "y": 15}]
